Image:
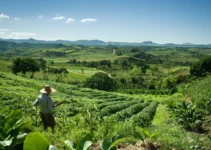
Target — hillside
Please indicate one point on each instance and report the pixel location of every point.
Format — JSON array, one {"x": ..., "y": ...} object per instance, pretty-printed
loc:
[
  {"x": 82, "y": 103},
  {"x": 152, "y": 83},
  {"x": 19, "y": 93}
]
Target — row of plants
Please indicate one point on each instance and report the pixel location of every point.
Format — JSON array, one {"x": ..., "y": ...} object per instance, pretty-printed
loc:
[
  {"x": 111, "y": 109},
  {"x": 144, "y": 117},
  {"x": 129, "y": 112},
  {"x": 145, "y": 91},
  {"x": 105, "y": 104}
]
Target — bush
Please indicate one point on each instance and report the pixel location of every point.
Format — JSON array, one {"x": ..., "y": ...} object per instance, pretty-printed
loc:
[
  {"x": 201, "y": 67},
  {"x": 188, "y": 116},
  {"x": 101, "y": 81}
]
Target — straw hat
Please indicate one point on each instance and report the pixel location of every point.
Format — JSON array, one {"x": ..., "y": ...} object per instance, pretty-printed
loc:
[{"x": 47, "y": 89}]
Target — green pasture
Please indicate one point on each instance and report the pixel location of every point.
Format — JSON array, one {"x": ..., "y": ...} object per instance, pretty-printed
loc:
[
  {"x": 4, "y": 65},
  {"x": 63, "y": 55}
]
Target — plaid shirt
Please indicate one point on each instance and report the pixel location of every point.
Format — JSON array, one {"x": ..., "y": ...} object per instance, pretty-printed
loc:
[{"x": 46, "y": 104}]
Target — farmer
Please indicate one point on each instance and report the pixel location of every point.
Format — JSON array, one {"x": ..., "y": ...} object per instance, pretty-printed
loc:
[{"x": 46, "y": 107}]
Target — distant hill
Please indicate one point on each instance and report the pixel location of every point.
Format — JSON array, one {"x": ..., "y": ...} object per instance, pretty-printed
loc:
[
  {"x": 101, "y": 43},
  {"x": 25, "y": 45}
]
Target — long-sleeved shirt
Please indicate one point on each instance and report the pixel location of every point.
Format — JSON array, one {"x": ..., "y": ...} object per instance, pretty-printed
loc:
[{"x": 45, "y": 102}]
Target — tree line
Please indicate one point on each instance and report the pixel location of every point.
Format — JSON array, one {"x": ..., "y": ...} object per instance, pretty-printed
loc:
[{"x": 31, "y": 66}]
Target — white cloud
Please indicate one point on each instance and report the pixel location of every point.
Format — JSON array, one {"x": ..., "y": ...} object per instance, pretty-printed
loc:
[
  {"x": 70, "y": 20},
  {"x": 2, "y": 34},
  {"x": 4, "y": 17},
  {"x": 21, "y": 35},
  {"x": 88, "y": 20},
  {"x": 17, "y": 18},
  {"x": 4, "y": 30},
  {"x": 40, "y": 16},
  {"x": 58, "y": 18}
]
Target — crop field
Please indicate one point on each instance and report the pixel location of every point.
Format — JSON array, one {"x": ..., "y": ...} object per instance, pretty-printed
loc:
[
  {"x": 83, "y": 110},
  {"x": 108, "y": 104}
]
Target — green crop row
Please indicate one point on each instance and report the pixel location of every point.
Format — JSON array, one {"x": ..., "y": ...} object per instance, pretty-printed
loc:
[
  {"x": 130, "y": 111},
  {"x": 118, "y": 107},
  {"x": 102, "y": 105},
  {"x": 144, "y": 117}
]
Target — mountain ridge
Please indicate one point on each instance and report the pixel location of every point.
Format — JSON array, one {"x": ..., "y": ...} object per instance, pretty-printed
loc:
[{"x": 97, "y": 42}]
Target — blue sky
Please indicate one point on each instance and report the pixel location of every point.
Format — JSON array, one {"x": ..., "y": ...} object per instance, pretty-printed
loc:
[{"x": 160, "y": 21}]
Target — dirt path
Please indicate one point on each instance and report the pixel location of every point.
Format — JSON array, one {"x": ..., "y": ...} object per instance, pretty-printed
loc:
[{"x": 114, "y": 51}]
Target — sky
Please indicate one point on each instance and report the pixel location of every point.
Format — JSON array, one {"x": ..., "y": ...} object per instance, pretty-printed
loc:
[{"x": 160, "y": 21}]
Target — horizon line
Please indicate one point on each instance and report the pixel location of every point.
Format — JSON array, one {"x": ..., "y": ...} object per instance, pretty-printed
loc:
[{"x": 188, "y": 43}]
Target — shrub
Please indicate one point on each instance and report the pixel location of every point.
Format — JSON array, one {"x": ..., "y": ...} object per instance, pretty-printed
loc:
[
  {"x": 188, "y": 116},
  {"x": 200, "y": 68},
  {"x": 101, "y": 81}
]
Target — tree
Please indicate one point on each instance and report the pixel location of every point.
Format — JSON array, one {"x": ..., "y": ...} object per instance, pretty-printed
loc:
[
  {"x": 59, "y": 72},
  {"x": 171, "y": 85},
  {"x": 125, "y": 65},
  {"x": 101, "y": 81},
  {"x": 201, "y": 67},
  {"x": 74, "y": 61},
  {"x": 24, "y": 65},
  {"x": 43, "y": 67},
  {"x": 82, "y": 70}
]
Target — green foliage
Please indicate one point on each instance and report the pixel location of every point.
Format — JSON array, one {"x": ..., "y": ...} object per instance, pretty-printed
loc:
[
  {"x": 101, "y": 81},
  {"x": 112, "y": 109},
  {"x": 74, "y": 118},
  {"x": 59, "y": 72},
  {"x": 199, "y": 91},
  {"x": 24, "y": 65},
  {"x": 130, "y": 111},
  {"x": 35, "y": 141},
  {"x": 83, "y": 144},
  {"x": 110, "y": 143},
  {"x": 188, "y": 116},
  {"x": 144, "y": 117},
  {"x": 13, "y": 127},
  {"x": 171, "y": 134},
  {"x": 201, "y": 67},
  {"x": 144, "y": 134}
]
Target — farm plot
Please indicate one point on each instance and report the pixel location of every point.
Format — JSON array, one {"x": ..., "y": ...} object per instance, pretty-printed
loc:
[{"x": 81, "y": 108}]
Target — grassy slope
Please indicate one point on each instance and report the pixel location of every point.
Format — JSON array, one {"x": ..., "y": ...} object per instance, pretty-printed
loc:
[
  {"x": 4, "y": 65},
  {"x": 18, "y": 92},
  {"x": 170, "y": 134}
]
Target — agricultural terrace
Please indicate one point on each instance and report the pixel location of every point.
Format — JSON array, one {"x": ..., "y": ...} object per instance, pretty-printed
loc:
[{"x": 84, "y": 110}]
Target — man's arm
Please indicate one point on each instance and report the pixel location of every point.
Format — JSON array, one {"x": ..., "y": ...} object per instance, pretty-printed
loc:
[{"x": 36, "y": 102}]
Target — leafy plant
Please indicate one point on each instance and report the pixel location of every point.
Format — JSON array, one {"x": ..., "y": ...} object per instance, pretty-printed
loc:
[
  {"x": 35, "y": 141},
  {"x": 143, "y": 134},
  {"x": 146, "y": 136},
  {"x": 188, "y": 116},
  {"x": 110, "y": 143},
  {"x": 84, "y": 143},
  {"x": 13, "y": 127}
]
